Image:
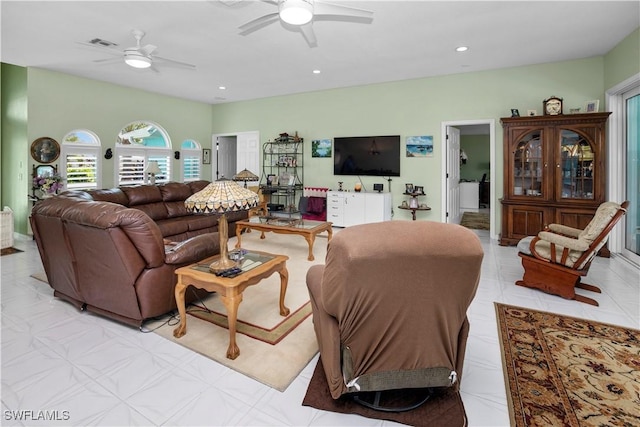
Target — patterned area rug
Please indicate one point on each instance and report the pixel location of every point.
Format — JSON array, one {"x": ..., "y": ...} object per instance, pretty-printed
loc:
[
  {"x": 565, "y": 371},
  {"x": 475, "y": 220},
  {"x": 9, "y": 251}
]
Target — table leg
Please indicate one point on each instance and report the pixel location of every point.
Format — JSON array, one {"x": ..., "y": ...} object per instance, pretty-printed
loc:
[
  {"x": 329, "y": 233},
  {"x": 179, "y": 293},
  {"x": 284, "y": 280},
  {"x": 231, "y": 303},
  {"x": 238, "y": 236},
  {"x": 310, "y": 239}
]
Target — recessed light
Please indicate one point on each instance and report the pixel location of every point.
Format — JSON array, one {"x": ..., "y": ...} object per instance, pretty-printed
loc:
[
  {"x": 316, "y": 71},
  {"x": 461, "y": 48},
  {"x": 222, "y": 87}
]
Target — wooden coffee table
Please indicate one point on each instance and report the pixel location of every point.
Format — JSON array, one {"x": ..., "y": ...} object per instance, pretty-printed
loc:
[
  {"x": 256, "y": 266},
  {"x": 303, "y": 227}
]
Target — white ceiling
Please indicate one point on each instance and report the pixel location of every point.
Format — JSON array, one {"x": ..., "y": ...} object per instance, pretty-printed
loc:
[{"x": 405, "y": 40}]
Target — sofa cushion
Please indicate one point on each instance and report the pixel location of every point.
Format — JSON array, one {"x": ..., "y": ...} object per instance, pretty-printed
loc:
[
  {"x": 113, "y": 195},
  {"x": 175, "y": 192},
  {"x": 176, "y": 209},
  {"x": 142, "y": 194},
  {"x": 156, "y": 211},
  {"x": 198, "y": 186},
  {"x": 173, "y": 226}
]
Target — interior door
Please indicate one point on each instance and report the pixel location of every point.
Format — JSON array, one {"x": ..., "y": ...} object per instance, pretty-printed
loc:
[
  {"x": 453, "y": 175},
  {"x": 225, "y": 157},
  {"x": 248, "y": 152}
]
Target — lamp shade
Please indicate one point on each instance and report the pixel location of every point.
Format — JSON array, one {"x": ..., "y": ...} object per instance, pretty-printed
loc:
[
  {"x": 153, "y": 168},
  {"x": 245, "y": 175},
  {"x": 222, "y": 196}
]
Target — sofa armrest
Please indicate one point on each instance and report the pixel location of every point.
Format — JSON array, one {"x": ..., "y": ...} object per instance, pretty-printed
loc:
[
  {"x": 193, "y": 250},
  {"x": 566, "y": 230}
]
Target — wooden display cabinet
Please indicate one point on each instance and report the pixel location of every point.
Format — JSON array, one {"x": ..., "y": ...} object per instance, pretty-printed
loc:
[{"x": 554, "y": 172}]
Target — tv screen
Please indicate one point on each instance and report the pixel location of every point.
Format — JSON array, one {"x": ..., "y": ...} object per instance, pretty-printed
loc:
[{"x": 367, "y": 155}]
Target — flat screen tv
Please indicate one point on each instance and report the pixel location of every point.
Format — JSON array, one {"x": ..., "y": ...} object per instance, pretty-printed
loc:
[{"x": 367, "y": 155}]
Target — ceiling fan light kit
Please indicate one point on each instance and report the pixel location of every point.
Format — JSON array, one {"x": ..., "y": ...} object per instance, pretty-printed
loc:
[
  {"x": 296, "y": 12},
  {"x": 137, "y": 60}
]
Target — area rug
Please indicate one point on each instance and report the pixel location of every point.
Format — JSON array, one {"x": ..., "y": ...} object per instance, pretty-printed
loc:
[
  {"x": 273, "y": 349},
  {"x": 9, "y": 251},
  {"x": 475, "y": 220},
  {"x": 566, "y": 371},
  {"x": 443, "y": 409}
]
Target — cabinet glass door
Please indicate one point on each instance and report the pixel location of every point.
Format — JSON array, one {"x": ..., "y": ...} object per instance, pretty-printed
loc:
[
  {"x": 528, "y": 168},
  {"x": 576, "y": 166}
]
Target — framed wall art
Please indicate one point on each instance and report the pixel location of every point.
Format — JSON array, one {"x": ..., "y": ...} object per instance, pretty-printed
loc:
[
  {"x": 45, "y": 150},
  {"x": 321, "y": 148},
  {"x": 206, "y": 156},
  {"x": 420, "y": 146}
]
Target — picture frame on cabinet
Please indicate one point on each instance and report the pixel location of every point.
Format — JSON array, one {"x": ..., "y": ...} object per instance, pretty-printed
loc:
[
  {"x": 592, "y": 106},
  {"x": 408, "y": 188},
  {"x": 271, "y": 179},
  {"x": 206, "y": 156}
]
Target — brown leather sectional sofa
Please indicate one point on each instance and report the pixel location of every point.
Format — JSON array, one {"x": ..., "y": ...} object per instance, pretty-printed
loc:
[{"x": 107, "y": 251}]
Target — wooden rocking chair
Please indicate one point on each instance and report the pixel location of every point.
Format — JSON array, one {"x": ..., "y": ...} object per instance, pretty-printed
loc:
[{"x": 556, "y": 259}]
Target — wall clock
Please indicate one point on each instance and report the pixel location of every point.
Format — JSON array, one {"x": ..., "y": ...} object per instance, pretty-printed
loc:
[
  {"x": 45, "y": 150},
  {"x": 552, "y": 106}
]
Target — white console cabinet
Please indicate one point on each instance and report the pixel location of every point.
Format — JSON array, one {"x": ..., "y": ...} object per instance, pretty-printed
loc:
[{"x": 346, "y": 208}]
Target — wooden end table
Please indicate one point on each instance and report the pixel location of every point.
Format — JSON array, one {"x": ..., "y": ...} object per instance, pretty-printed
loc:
[
  {"x": 256, "y": 266},
  {"x": 303, "y": 227}
]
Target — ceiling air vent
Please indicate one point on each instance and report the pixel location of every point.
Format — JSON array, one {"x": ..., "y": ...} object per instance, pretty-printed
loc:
[{"x": 104, "y": 43}]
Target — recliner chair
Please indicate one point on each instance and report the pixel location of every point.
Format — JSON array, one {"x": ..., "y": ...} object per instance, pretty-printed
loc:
[
  {"x": 556, "y": 259},
  {"x": 390, "y": 305}
]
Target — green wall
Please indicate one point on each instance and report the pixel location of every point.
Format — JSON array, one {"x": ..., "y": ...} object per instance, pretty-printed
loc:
[
  {"x": 477, "y": 149},
  {"x": 14, "y": 148},
  {"x": 412, "y": 107},
  {"x": 623, "y": 61}
]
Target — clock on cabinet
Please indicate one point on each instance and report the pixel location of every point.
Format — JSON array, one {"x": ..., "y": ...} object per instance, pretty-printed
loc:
[{"x": 552, "y": 106}]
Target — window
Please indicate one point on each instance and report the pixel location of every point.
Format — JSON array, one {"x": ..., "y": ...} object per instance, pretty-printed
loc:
[
  {"x": 191, "y": 160},
  {"x": 80, "y": 160},
  {"x": 138, "y": 144}
]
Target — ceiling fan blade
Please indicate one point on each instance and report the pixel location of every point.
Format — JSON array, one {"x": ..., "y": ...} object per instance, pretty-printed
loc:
[
  {"x": 108, "y": 60},
  {"x": 258, "y": 23},
  {"x": 108, "y": 50},
  {"x": 148, "y": 49},
  {"x": 172, "y": 63},
  {"x": 322, "y": 8},
  {"x": 309, "y": 34}
]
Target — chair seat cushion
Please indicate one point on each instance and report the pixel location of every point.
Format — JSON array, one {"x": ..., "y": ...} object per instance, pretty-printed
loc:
[{"x": 524, "y": 245}]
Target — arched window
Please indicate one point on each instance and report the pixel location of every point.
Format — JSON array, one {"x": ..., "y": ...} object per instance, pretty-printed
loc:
[
  {"x": 80, "y": 160},
  {"x": 139, "y": 143},
  {"x": 191, "y": 160}
]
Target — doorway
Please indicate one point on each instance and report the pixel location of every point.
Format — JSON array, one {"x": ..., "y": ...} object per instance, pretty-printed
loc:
[
  {"x": 233, "y": 152},
  {"x": 471, "y": 136}
]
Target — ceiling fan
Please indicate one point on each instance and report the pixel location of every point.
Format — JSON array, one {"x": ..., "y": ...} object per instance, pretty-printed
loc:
[
  {"x": 137, "y": 56},
  {"x": 302, "y": 13}
]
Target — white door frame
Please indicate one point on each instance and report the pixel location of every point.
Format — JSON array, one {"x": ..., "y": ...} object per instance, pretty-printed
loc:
[
  {"x": 242, "y": 160},
  {"x": 492, "y": 146},
  {"x": 616, "y": 154}
]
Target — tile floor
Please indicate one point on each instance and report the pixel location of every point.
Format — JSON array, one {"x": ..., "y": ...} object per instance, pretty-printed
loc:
[{"x": 97, "y": 372}]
